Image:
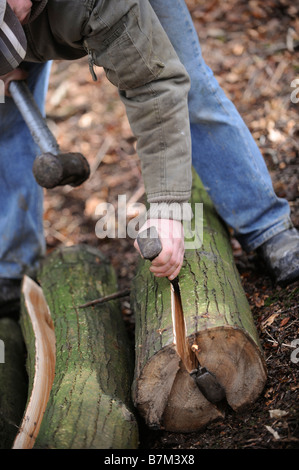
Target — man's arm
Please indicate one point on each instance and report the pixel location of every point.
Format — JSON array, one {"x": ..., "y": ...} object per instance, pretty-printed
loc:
[{"x": 139, "y": 59}]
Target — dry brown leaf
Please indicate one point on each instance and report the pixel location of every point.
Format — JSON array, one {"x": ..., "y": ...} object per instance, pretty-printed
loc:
[
  {"x": 284, "y": 321},
  {"x": 269, "y": 321},
  {"x": 258, "y": 301}
]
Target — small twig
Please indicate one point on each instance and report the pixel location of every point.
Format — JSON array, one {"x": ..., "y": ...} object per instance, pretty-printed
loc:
[
  {"x": 137, "y": 195},
  {"x": 116, "y": 295},
  {"x": 280, "y": 344},
  {"x": 100, "y": 155},
  {"x": 278, "y": 73}
]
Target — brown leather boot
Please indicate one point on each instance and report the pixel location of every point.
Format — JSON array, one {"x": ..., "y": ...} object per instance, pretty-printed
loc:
[{"x": 281, "y": 256}]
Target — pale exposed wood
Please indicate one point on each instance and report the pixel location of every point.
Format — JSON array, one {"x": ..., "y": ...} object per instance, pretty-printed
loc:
[
  {"x": 182, "y": 345},
  {"x": 45, "y": 358}
]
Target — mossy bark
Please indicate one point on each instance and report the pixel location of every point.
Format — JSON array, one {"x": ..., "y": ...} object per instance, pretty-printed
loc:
[
  {"x": 219, "y": 324},
  {"x": 89, "y": 405}
]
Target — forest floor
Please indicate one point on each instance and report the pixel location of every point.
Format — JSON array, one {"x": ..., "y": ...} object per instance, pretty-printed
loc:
[{"x": 252, "y": 47}]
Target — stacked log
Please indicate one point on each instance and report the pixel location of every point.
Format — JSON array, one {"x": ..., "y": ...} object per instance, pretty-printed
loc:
[{"x": 89, "y": 402}]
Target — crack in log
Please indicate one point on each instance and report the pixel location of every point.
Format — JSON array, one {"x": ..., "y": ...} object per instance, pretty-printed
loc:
[{"x": 179, "y": 332}]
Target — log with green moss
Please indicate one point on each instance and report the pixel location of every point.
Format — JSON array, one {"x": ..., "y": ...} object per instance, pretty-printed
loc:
[
  {"x": 219, "y": 329},
  {"x": 89, "y": 405},
  {"x": 13, "y": 381}
]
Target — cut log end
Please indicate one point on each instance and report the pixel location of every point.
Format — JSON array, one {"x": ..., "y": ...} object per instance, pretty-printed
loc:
[{"x": 168, "y": 397}]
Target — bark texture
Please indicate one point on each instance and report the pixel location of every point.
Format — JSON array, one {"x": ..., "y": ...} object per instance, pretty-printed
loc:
[
  {"x": 89, "y": 404},
  {"x": 219, "y": 328}
]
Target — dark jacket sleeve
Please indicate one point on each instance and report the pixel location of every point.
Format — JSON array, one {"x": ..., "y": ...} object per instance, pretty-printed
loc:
[{"x": 127, "y": 40}]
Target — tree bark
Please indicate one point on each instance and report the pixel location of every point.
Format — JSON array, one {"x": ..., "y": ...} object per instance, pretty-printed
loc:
[
  {"x": 13, "y": 381},
  {"x": 219, "y": 329},
  {"x": 89, "y": 404}
]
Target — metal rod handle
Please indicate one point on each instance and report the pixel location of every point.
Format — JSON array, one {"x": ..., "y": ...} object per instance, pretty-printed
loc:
[{"x": 36, "y": 123}]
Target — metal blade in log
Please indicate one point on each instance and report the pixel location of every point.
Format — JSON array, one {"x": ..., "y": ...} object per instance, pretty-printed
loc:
[
  {"x": 89, "y": 405},
  {"x": 218, "y": 326}
]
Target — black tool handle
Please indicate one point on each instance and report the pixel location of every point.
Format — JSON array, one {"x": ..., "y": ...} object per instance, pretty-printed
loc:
[
  {"x": 36, "y": 123},
  {"x": 51, "y": 168},
  {"x": 149, "y": 243}
]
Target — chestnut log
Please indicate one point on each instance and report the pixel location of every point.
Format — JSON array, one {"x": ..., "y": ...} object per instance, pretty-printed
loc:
[
  {"x": 88, "y": 402},
  {"x": 219, "y": 328}
]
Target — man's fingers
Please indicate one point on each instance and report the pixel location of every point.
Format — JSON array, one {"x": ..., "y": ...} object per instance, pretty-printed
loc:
[
  {"x": 17, "y": 74},
  {"x": 167, "y": 261},
  {"x": 171, "y": 268},
  {"x": 171, "y": 273},
  {"x": 164, "y": 257}
]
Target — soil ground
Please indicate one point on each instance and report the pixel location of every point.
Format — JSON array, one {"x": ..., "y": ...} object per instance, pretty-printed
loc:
[{"x": 252, "y": 47}]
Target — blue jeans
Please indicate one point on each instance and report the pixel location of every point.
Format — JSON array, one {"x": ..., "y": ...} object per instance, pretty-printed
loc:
[
  {"x": 224, "y": 153},
  {"x": 225, "y": 156},
  {"x": 22, "y": 242}
]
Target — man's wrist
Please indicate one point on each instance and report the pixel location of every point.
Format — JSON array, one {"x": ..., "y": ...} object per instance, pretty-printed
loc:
[{"x": 170, "y": 210}]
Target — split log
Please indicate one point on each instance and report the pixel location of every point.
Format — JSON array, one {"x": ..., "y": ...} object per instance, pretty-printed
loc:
[
  {"x": 219, "y": 328},
  {"x": 89, "y": 404},
  {"x": 13, "y": 381}
]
